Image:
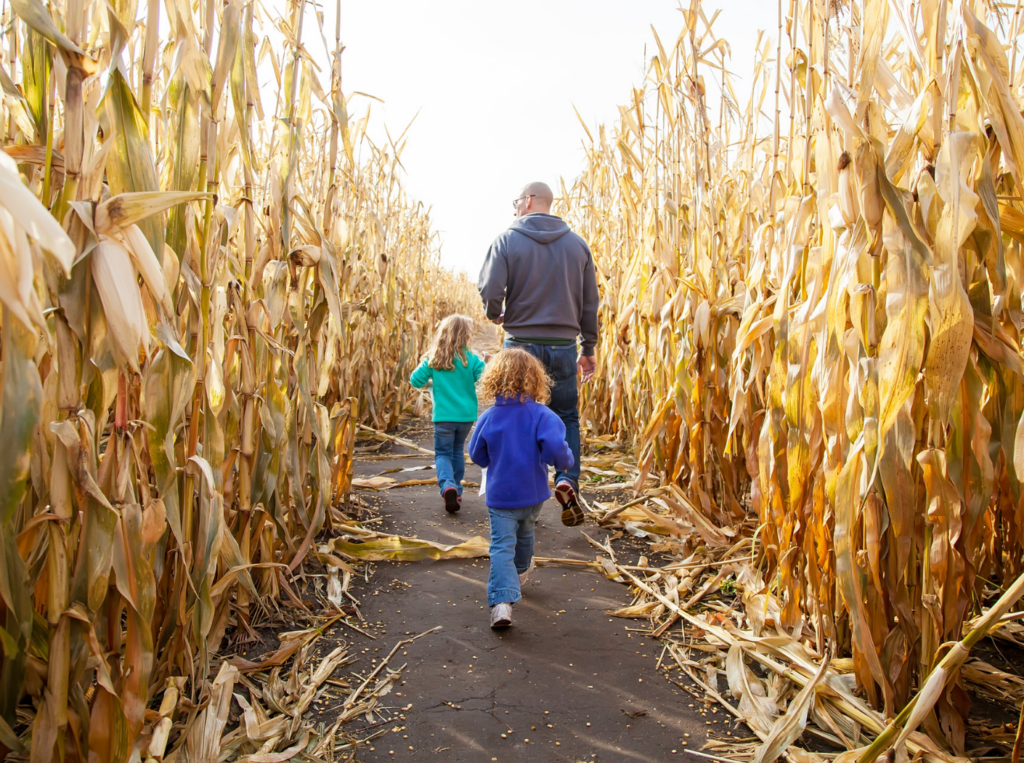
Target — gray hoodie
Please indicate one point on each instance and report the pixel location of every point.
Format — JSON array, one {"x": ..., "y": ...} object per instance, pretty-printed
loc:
[{"x": 544, "y": 275}]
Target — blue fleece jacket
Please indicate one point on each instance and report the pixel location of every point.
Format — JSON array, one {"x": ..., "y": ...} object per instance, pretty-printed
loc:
[{"x": 516, "y": 440}]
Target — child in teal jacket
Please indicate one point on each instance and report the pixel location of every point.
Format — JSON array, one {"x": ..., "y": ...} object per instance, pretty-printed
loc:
[{"x": 455, "y": 370}]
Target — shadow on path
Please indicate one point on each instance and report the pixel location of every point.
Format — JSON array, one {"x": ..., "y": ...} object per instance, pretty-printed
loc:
[{"x": 566, "y": 677}]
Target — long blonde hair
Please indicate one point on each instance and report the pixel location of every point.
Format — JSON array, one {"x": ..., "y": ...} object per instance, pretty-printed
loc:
[{"x": 450, "y": 341}]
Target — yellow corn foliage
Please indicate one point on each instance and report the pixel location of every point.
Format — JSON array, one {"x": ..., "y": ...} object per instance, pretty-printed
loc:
[
  {"x": 819, "y": 318},
  {"x": 201, "y": 298}
]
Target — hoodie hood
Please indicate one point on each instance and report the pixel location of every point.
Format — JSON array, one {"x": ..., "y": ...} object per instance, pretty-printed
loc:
[{"x": 540, "y": 227}]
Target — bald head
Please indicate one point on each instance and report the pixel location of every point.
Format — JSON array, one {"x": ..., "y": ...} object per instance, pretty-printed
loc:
[{"x": 535, "y": 197}]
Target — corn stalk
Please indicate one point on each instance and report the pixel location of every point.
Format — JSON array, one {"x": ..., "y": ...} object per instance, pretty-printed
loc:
[
  {"x": 833, "y": 331},
  {"x": 191, "y": 332}
]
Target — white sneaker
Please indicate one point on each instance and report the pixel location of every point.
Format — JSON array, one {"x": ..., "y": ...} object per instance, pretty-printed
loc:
[
  {"x": 501, "y": 615},
  {"x": 524, "y": 575}
]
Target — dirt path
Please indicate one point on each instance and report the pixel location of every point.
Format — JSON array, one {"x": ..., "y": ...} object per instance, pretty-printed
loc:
[{"x": 565, "y": 683}]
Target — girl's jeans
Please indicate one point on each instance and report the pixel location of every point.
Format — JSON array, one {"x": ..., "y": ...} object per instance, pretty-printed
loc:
[
  {"x": 449, "y": 453},
  {"x": 511, "y": 551}
]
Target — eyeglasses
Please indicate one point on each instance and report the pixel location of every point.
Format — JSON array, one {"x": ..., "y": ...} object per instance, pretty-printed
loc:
[{"x": 515, "y": 204}]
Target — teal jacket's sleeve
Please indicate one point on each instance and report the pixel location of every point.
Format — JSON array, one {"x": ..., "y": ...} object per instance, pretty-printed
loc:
[
  {"x": 477, "y": 365},
  {"x": 422, "y": 374}
]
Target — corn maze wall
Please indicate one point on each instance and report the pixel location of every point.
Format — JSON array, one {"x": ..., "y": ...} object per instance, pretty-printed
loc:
[
  {"x": 206, "y": 280},
  {"x": 812, "y": 311}
]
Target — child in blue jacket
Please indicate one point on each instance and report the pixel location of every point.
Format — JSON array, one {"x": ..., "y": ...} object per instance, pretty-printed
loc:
[{"x": 515, "y": 440}]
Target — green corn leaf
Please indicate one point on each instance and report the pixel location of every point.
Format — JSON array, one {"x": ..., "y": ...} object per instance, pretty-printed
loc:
[{"x": 130, "y": 164}]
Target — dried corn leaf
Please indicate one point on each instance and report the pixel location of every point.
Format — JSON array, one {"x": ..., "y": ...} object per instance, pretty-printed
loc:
[{"x": 400, "y": 549}]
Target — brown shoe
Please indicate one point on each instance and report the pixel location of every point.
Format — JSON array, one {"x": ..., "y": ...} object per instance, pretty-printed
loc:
[{"x": 572, "y": 512}]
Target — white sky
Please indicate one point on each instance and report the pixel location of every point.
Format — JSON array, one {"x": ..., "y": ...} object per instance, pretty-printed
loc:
[{"x": 495, "y": 83}]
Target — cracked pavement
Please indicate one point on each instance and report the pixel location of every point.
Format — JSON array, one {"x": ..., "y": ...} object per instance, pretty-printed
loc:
[{"x": 556, "y": 686}]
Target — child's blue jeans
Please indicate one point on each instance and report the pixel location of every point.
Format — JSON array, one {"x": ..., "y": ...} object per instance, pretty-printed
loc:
[
  {"x": 511, "y": 551},
  {"x": 449, "y": 453}
]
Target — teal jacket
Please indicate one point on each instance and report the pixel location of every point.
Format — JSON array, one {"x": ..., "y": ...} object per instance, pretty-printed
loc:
[{"x": 455, "y": 390}]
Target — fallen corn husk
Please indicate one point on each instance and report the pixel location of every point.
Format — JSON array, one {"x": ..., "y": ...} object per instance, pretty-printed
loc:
[
  {"x": 280, "y": 692},
  {"x": 393, "y": 439},
  {"x": 397, "y": 548}
]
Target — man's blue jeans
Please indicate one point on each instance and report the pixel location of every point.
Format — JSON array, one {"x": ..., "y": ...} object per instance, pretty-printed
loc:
[
  {"x": 560, "y": 363},
  {"x": 449, "y": 453},
  {"x": 511, "y": 551}
]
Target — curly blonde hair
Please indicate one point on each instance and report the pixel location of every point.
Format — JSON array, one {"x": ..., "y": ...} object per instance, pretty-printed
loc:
[
  {"x": 450, "y": 341},
  {"x": 515, "y": 373}
]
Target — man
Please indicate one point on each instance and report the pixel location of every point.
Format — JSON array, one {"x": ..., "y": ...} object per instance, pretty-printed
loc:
[{"x": 538, "y": 280}]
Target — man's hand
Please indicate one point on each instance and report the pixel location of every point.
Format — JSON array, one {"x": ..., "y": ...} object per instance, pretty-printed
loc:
[
  {"x": 498, "y": 321},
  {"x": 587, "y": 365}
]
